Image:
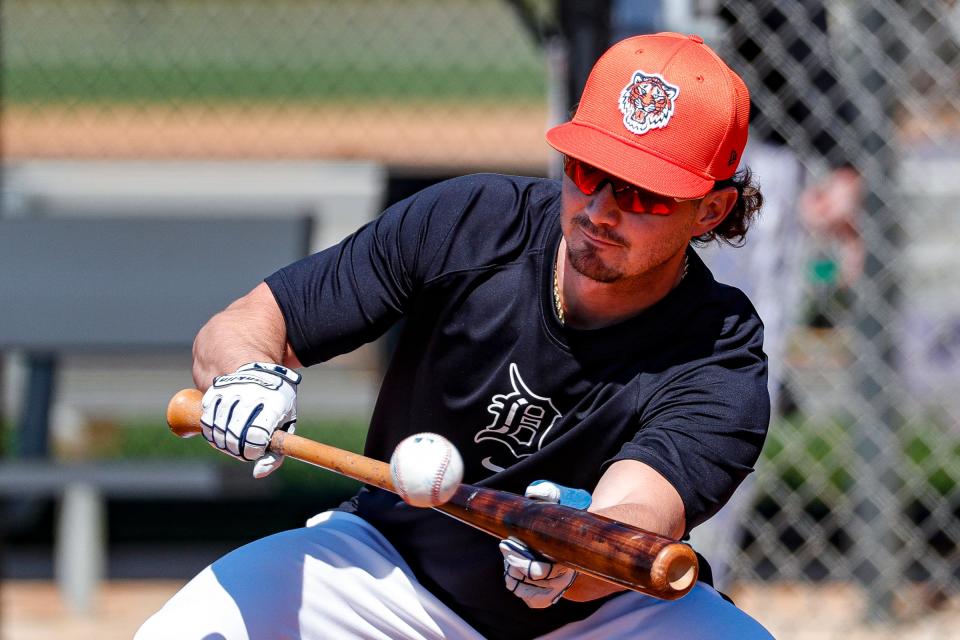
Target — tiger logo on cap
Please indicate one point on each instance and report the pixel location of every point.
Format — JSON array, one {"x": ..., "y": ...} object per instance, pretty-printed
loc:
[{"x": 647, "y": 102}]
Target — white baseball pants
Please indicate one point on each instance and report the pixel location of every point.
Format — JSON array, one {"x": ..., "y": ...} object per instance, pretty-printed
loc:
[{"x": 340, "y": 578}]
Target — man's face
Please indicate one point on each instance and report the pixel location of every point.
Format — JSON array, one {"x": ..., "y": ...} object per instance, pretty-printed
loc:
[{"x": 608, "y": 244}]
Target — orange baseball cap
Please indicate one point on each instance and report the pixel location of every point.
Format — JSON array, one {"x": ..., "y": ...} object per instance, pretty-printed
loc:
[{"x": 660, "y": 111}]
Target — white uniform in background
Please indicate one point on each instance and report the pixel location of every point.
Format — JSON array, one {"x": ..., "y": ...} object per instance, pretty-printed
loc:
[{"x": 769, "y": 269}]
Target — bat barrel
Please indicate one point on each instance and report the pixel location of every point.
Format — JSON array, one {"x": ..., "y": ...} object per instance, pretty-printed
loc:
[{"x": 601, "y": 547}]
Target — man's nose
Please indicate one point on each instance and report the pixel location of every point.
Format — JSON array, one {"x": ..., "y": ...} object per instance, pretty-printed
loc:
[{"x": 603, "y": 207}]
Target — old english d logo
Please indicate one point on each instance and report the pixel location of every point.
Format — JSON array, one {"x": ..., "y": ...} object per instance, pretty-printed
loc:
[{"x": 521, "y": 421}]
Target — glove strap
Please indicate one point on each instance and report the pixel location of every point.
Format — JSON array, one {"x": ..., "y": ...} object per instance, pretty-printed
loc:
[
  {"x": 286, "y": 373},
  {"x": 248, "y": 374}
]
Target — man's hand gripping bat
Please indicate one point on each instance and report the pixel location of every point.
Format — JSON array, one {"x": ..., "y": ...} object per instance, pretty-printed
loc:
[{"x": 590, "y": 543}]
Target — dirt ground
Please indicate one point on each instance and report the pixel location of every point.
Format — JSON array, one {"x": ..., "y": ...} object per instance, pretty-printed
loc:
[
  {"x": 435, "y": 134},
  {"x": 32, "y": 610},
  {"x": 839, "y": 612}
]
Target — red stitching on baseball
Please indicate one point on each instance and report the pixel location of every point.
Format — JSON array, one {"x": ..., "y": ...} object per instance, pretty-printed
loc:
[{"x": 438, "y": 479}]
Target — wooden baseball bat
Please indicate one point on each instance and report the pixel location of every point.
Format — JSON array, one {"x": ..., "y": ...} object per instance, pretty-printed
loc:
[{"x": 588, "y": 542}]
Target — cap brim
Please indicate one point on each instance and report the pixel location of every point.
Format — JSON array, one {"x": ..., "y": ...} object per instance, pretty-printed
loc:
[{"x": 627, "y": 162}]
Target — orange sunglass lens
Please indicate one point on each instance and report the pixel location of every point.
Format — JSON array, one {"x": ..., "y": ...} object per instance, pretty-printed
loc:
[
  {"x": 629, "y": 198},
  {"x": 586, "y": 178}
]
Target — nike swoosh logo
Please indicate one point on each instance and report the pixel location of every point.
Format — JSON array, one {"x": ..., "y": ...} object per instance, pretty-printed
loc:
[{"x": 487, "y": 464}]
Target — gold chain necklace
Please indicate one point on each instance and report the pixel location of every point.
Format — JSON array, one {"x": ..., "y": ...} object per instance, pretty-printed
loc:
[{"x": 558, "y": 301}]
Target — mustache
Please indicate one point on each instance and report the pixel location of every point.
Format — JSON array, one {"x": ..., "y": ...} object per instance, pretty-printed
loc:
[{"x": 582, "y": 220}]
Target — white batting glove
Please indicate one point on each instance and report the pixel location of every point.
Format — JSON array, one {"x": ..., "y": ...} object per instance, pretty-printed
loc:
[
  {"x": 534, "y": 579},
  {"x": 241, "y": 410},
  {"x": 537, "y": 581}
]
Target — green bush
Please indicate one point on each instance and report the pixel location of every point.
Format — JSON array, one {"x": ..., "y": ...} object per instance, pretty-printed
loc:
[{"x": 798, "y": 449}]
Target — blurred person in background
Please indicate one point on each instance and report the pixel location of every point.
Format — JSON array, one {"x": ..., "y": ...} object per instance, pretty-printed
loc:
[{"x": 560, "y": 330}]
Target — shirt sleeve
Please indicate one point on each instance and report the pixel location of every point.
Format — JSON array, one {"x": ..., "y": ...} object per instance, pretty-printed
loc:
[
  {"x": 704, "y": 430},
  {"x": 350, "y": 294}
]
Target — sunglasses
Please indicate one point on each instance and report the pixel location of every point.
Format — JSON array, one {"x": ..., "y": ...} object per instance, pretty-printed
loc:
[{"x": 629, "y": 197}]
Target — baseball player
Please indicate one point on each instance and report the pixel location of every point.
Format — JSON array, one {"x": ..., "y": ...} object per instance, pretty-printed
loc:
[{"x": 554, "y": 330}]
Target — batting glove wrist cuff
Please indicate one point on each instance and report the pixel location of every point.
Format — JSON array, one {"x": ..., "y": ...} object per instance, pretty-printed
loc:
[
  {"x": 252, "y": 373},
  {"x": 286, "y": 373}
]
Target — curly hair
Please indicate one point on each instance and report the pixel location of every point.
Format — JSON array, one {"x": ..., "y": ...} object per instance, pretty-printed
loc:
[{"x": 733, "y": 229}]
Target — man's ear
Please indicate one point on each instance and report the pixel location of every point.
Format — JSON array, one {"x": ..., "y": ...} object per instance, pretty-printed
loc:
[{"x": 712, "y": 209}]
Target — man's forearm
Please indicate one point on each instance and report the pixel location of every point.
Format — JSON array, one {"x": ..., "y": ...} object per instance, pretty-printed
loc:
[
  {"x": 251, "y": 329},
  {"x": 631, "y": 492}
]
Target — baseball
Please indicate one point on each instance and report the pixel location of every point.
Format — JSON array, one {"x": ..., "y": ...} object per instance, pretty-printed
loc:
[{"x": 426, "y": 469}]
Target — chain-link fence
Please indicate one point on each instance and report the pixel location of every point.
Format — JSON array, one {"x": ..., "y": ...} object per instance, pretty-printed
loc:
[
  {"x": 859, "y": 477},
  {"x": 857, "y": 490}
]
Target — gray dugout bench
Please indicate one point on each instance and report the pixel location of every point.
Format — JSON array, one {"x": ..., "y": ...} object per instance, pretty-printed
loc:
[{"x": 116, "y": 284}]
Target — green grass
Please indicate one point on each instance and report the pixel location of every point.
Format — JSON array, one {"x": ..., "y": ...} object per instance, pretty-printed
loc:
[
  {"x": 150, "y": 440},
  {"x": 66, "y": 83},
  {"x": 283, "y": 50},
  {"x": 154, "y": 441}
]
